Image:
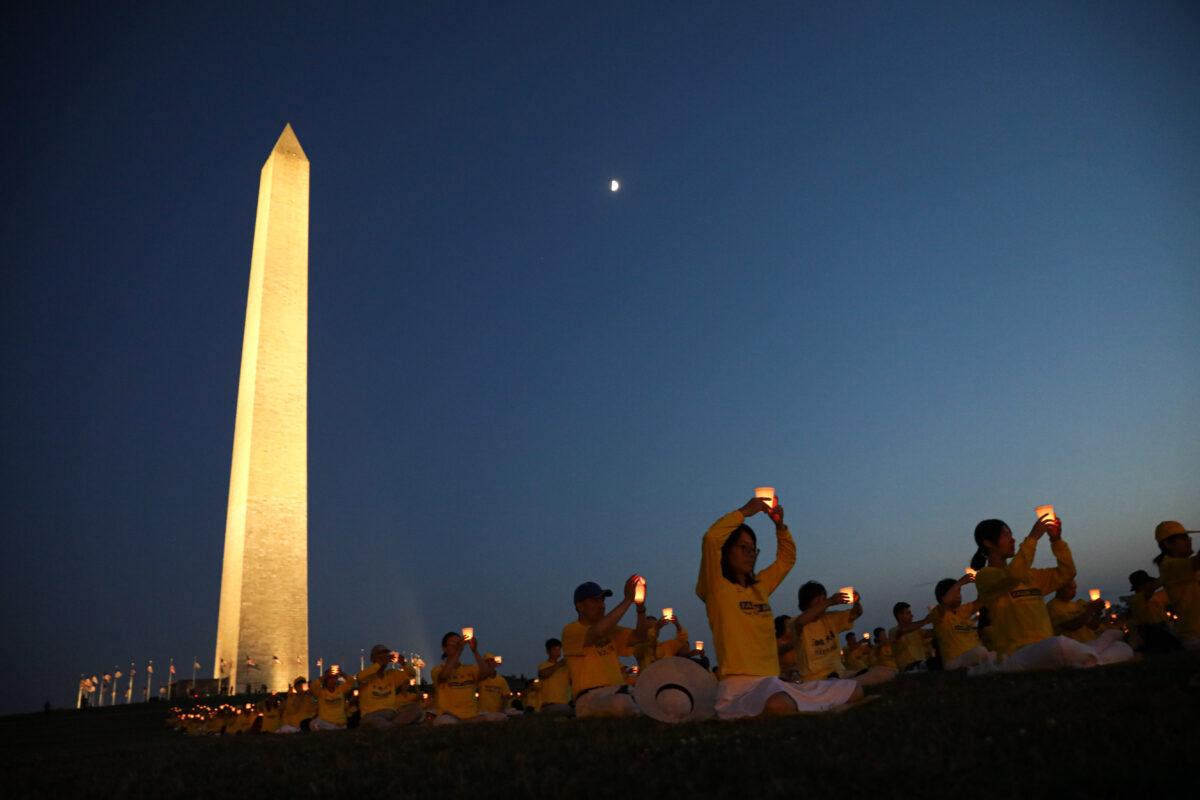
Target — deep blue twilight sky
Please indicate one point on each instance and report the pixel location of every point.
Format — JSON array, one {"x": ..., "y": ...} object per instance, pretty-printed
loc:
[{"x": 913, "y": 264}]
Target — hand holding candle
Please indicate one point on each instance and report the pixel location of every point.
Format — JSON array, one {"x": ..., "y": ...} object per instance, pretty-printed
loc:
[
  {"x": 1045, "y": 511},
  {"x": 1093, "y": 594},
  {"x": 668, "y": 613},
  {"x": 766, "y": 494},
  {"x": 848, "y": 591},
  {"x": 468, "y": 634},
  {"x": 699, "y": 646},
  {"x": 639, "y": 591}
]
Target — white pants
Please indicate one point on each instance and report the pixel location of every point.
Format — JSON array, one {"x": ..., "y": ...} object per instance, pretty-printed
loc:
[
  {"x": 482, "y": 716},
  {"x": 746, "y": 695},
  {"x": 975, "y": 656},
  {"x": 319, "y": 724},
  {"x": 1059, "y": 652},
  {"x": 606, "y": 701},
  {"x": 288, "y": 729}
]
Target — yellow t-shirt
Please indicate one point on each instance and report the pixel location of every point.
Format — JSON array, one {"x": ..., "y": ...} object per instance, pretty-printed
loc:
[
  {"x": 955, "y": 632},
  {"x": 1013, "y": 595},
  {"x": 1179, "y": 580},
  {"x": 818, "y": 654},
  {"x": 857, "y": 658},
  {"x": 555, "y": 689},
  {"x": 882, "y": 656},
  {"x": 272, "y": 718},
  {"x": 596, "y": 665},
  {"x": 533, "y": 697},
  {"x": 298, "y": 707},
  {"x": 456, "y": 695},
  {"x": 1062, "y": 611},
  {"x": 740, "y": 616},
  {"x": 377, "y": 690},
  {"x": 494, "y": 694},
  {"x": 908, "y": 649},
  {"x": 331, "y": 705},
  {"x": 1152, "y": 611},
  {"x": 652, "y": 650}
]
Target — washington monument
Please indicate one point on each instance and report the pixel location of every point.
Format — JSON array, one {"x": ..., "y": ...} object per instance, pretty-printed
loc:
[{"x": 262, "y": 628}]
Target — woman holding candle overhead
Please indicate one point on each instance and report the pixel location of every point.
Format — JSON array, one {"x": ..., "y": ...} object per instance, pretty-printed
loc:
[
  {"x": 736, "y": 598},
  {"x": 457, "y": 684},
  {"x": 1011, "y": 590}
]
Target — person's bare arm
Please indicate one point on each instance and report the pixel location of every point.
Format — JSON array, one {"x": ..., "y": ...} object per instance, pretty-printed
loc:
[{"x": 609, "y": 621}]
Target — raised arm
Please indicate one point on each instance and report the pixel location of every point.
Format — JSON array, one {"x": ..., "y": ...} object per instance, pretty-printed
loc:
[
  {"x": 954, "y": 593},
  {"x": 710, "y": 548},
  {"x": 785, "y": 552},
  {"x": 609, "y": 621},
  {"x": 1049, "y": 580}
]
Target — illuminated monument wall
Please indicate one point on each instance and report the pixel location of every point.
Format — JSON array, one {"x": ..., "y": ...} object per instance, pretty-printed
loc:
[{"x": 264, "y": 579}]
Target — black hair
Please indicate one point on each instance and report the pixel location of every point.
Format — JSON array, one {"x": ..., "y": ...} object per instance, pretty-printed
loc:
[
  {"x": 943, "y": 586},
  {"x": 1138, "y": 578},
  {"x": 446, "y": 638},
  {"x": 809, "y": 592},
  {"x": 987, "y": 531},
  {"x": 726, "y": 570},
  {"x": 780, "y": 625},
  {"x": 552, "y": 642},
  {"x": 878, "y": 631},
  {"x": 896, "y": 609}
]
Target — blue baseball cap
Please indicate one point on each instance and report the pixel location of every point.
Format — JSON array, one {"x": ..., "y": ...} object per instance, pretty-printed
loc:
[{"x": 590, "y": 589}]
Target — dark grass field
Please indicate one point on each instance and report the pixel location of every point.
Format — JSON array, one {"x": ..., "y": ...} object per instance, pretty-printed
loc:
[{"x": 1126, "y": 731}]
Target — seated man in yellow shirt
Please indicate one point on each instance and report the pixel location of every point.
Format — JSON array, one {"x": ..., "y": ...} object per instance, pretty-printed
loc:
[
  {"x": 814, "y": 637},
  {"x": 856, "y": 654},
  {"x": 907, "y": 643},
  {"x": 299, "y": 707},
  {"x": 458, "y": 684},
  {"x": 1149, "y": 624},
  {"x": 593, "y": 643},
  {"x": 651, "y": 650},
  {"x": 331, "y": 701},
  {"x": 882, "y": 654},
  {"x": 494, "y": 692},
  {"x": 1179, "y": 571},
  {"x": 553, "y": 689},
  {"x": 1075, "y": 619},
  {"x": 957, "y": 637},
  {"x": 383, "y": 699}
]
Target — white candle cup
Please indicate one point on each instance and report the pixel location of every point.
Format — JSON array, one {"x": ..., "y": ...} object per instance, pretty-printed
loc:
[
  {"x": 499, "y": 659},
  {"x": 766, "y": 493},
  {"x": 668, "y": 613},
  {"x": 971, "y": 572},
  {"x": 848, "y": 591},
  {"x": 1093, "y": 594},
  {"x": 1045, "y": 511},
  {"x": 639, "y": 592},
  {"x": 1107, "y": 605},
  {"x": 866, "y": 637},
  {"x": 468, "y": 633},
  {"x": 700, "y": 646}
]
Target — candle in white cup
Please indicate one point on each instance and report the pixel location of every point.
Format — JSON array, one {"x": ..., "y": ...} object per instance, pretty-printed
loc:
[
  {"x": 1093, "y": 594},
  {"x": 1045, "y": 511},
  {"x": 468, "y": 633},
  {"x": 700, "y": 645},
  {"x": 766, "y": 493},
  {"x": 668, "y": 613}
]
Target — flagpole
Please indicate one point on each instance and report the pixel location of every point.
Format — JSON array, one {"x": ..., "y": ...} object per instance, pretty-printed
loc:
[
  {"x": 149, "y": 679},
  {"x": 170, "y": 675},
  {"x": 79, "y": 696},
  {"x": 194, "y": 662},
  {"x": 129, "y": 691}
]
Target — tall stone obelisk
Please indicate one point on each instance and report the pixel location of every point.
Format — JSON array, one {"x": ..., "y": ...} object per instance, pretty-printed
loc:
[{"x": 264, "y": 578}]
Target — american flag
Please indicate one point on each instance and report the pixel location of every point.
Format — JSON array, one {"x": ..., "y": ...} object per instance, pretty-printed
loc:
[
  {"x": 172, "y": 670},
  {"x": 117, "y": 675},
  {"x": 150, "y": 668},
  {"x": 250, "y": 663},
  {"x": 196, "y": 664},
  {"x": 275, "y": 660}
]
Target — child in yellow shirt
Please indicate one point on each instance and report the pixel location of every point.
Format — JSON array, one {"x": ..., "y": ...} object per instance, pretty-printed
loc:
[
  {"x": 457, "y": 684},
  {"x": 908, "y": 645},
  {"x": 957, "y": 637},
  {"x": 551, "y": 694},
  {"x": 815, "y": 636}
]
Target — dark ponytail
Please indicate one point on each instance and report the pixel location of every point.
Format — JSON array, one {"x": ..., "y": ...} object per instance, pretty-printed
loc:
[{"x": 987, "y": 531}]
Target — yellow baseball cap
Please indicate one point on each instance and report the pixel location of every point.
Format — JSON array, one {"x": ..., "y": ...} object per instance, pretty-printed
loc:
[{"x": 1165, "y": 530}]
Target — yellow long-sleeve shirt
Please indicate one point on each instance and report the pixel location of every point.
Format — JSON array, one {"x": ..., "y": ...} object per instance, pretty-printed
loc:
[
  {"x": 955, "y": 632},
  {"x": 740, "y": 616},
  {"x": 1013, "y": 595},
  {"x": 652, "y": 650},
  {"x": 377, "y": 690},
  {"x": 1179, "y": 579}
]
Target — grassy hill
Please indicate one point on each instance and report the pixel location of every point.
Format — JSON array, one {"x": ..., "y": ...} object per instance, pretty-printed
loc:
[{"x": 1120, "y": 731}]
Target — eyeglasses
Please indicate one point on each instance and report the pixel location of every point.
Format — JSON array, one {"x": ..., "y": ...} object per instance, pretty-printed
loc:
[{"x": 747, "y": 549}]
